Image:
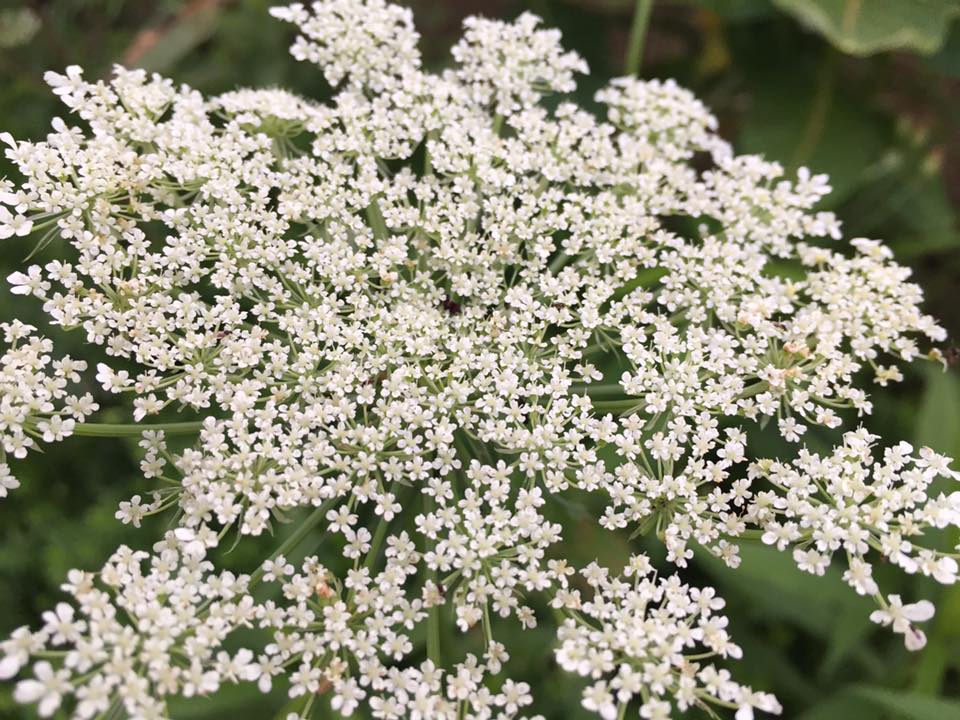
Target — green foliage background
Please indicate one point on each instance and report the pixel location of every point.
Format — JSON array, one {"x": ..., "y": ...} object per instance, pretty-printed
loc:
[{"x": 866, "y": 90}]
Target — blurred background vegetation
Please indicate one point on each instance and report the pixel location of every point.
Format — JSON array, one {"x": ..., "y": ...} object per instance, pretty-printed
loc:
[{"x": 865, "y": 90}]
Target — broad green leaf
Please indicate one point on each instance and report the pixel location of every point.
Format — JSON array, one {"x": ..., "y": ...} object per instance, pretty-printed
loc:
[
  {"x": 779, "y": 589},
  {"x": 947, "y": 60},
  {"x": 850, "y": 629},
  {"x": 942, "y": 636},
  {"x": 924, "y": 217},
  {"x": 864, "y": 27},
  {"x": 772, "y": 587},
  {"x": 815, "y": 124},
  {"x": 938, "y": 425},
  {"x": 932, "y": 666},
  {"x": 843, "y": 704},
  {"x": 243, "y": 700},
  {"x": 176, "y": 41},
  {"x": 735, "y": 10},
  {"x": 938, "y": 421},
  {"x": 911, "y": 705}
]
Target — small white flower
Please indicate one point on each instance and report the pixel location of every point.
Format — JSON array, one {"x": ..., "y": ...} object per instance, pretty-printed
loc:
[
  {"x": 46, "y": 689},
  {"x": 902, "y": 617}
]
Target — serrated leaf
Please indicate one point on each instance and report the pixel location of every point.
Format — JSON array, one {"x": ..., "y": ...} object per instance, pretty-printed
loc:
[{"x": 864, "y": 27}]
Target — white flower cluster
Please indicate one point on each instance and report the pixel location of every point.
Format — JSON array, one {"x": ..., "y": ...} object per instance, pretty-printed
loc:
[
  {"x": 126, "y": 644},
  {"x": 35, "y": 403},
  {"x": 634, "y": 638},
  {"x": 851, "y": 503},
  {"x": 422, "y": 319},
  {"x": 510, "y": 67}
]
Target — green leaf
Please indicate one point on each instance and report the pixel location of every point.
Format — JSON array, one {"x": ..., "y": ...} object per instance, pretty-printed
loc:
[
  {"x": 947, "y": 60},
  {"x": 736, "y": 10},
  {"x": 938, "y": 421},
  {"x": 911, "y": 705},
  {"x": 243, "y": 700},
  {"x": 925, "y": 219},
  {"x": 938, "y": 425},
  {"x": 843, "y": 704},
  {"x": 864, "y": 27},
  {"x": 815, "y": 124},
  {"x": 775, "y": 590},
  {"x": 780, "y": 590},
  {"x": 180, "y": 38}
]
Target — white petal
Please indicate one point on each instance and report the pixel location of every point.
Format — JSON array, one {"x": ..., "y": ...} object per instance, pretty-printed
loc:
[
  {"x": 9, "y": 667},
  {"x": 23, "y": 226},
  {"x": 49, "y": 704},
  {"x": 28, "y": 691},
  {"x": 914, "y": 639},
  {"x": 184, "y": 534},
  {"x": 919, "y": 611}
]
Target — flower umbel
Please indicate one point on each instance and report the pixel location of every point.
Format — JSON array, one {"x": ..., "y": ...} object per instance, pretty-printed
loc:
[{"x": 411, "y": 327}]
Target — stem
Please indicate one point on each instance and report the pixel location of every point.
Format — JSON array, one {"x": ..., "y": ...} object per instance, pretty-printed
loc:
[
  {"x": 751, "y": 535},
  {"x": 610, "y": 391},
  {"x": 134, "y": 429},
  {"x": 378, "y": 535},
  {"x": 638, "y": 34},
  {"x": 557, "y": 264},
  {"x": 377, "y": 223},
  {"x": 819, "y": 109},
  {"x": 433, "y": 635},
  {"x": 427, "y": 163},
  {"x": 616, "y": 406},
  {"x": 433, "y": 615},
  {"x": 754, "y": 389},
  {"x": 308, "y": 707},
  {"x": 487, "y": 627},
  {"x": 308, "y": 524}
]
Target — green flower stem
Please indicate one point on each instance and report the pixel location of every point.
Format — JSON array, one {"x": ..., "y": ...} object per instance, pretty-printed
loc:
[
  {"x": 611, "y": 391},
  {"x": 615, "y": 406},
  {"x": 433, "y": 635},
  {"x": 378, "y": 536},
  {"x": 751, "y": 535},
  {"x": 377, "y": 223},
  {"x": 816, "y": 122},
  {"x": 134, "y": 429},
  {"x": 755, "y": 389},
  {"x": 638, "y": 34},
  {"x": 295, "y": 538},
  {"x": 433, "y": 615},
  {"x": 558, "y": 262}
]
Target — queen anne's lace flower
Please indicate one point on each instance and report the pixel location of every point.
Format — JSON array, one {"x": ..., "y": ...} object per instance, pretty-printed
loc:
[
  {"x": 633, "y": 638},
  {"x": 34, "y": 403},
  {"x": 426, "y": 317}
]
